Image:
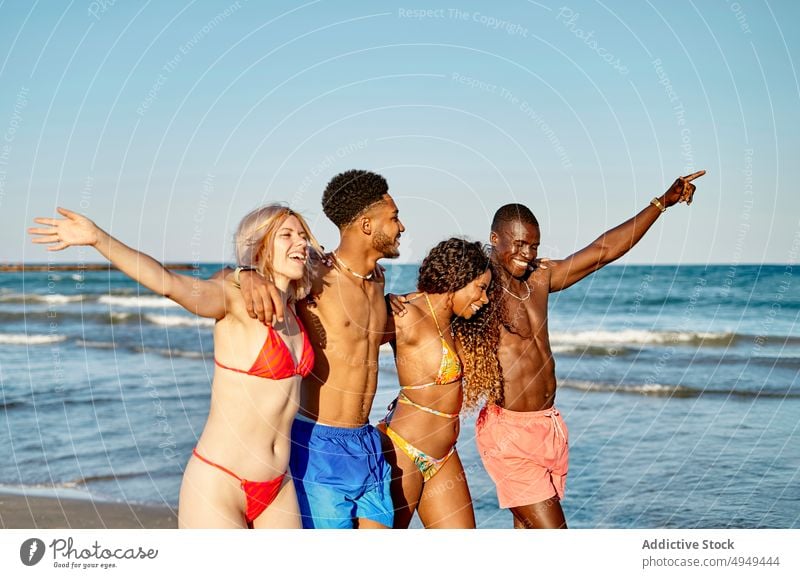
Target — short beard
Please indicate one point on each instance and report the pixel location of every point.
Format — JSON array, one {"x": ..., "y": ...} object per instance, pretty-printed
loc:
[{"x": 385, "y": 246}]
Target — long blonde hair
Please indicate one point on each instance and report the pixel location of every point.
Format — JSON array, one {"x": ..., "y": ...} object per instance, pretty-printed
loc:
[{"x": 254, "y": 238}]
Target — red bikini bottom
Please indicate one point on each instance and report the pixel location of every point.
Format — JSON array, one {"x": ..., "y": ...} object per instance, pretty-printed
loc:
[{"x": 259, "y": 495}]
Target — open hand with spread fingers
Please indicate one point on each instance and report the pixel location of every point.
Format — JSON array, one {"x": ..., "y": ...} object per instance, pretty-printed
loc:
[{"x": 74, "y": 229}]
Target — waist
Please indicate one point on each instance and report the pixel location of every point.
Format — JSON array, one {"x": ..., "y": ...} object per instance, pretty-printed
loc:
[
  {"x": 250, "y": 457},
  {"x": 512, "y": 415},
  {"x": 320, "y": 428},
  {"x": 335, "y": 404}
]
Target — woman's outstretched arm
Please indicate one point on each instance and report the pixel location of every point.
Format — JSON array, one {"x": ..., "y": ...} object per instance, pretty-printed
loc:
[{"x": 201, "y": 297}]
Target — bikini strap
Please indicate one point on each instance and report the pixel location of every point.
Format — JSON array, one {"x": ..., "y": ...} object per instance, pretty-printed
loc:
[
  {"x": 219, "y": 467},
  {"x": 423, "y": 386},
  {"x": 402, "y": 398},
  {"x": 223, "y": 366},
  {"x": 433, "y": 314}
]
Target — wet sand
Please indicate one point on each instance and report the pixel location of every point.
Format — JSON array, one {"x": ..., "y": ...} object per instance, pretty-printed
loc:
[{"x": 21, "y": 511}]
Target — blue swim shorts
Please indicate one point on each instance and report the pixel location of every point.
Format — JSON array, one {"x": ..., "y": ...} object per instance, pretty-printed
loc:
[{"x": 340, "y": 474}]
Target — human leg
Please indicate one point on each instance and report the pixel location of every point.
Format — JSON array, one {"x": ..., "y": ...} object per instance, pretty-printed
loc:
[
  {"x": 445, "y": 500},
  {"x": 210, "y": 498},
  {"x": 407, "y": 480},
  {"x": 542, "y": 515},
  {"x": 283, "y": 512}
]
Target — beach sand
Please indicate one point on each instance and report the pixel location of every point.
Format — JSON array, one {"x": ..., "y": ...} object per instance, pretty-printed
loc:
[{"x": 21, "y": 511}]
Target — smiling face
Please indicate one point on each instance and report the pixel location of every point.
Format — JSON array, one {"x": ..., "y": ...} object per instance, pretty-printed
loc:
[
  {"x": 468, "y": 300},
  {"x": 515, "y": 246},
  {"x": 386, "y": 227},
  {"x": 289, "y": 250}
]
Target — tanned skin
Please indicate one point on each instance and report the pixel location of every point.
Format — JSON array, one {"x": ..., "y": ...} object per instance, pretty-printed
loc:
[
  {"x": 524, "y": 351},
  {"x": 345, "y": 316}
]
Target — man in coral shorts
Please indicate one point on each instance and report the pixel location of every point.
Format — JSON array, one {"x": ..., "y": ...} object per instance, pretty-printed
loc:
[{"x": 521, "y": 436}]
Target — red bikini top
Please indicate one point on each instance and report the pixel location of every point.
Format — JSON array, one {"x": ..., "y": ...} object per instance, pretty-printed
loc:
[{"x": 275, "y": 361}]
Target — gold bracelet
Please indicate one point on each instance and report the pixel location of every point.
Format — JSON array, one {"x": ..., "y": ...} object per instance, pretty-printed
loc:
[
  {"x": 657, "y": 204},
  {"x": 236, "y": 281}
]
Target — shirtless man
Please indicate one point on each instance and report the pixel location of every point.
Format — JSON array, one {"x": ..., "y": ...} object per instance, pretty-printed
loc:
[
  {"x": 521, "y": 437},
  {"x": 337, "y": 462}
]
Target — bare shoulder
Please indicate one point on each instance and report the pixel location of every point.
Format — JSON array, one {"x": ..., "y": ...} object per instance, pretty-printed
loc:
[
  {"x": 541, "y": 275},
  {"x": 322, "y": 271},
  {"x": 407, "y": 326}
]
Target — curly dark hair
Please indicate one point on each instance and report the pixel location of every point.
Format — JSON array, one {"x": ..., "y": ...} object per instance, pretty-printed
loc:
[
  {"x": 351, "y": 193},
  {"x": 480, "y": 339},
  {"x": 511, "y": 213},
  {"x": 448, "y": 267}
]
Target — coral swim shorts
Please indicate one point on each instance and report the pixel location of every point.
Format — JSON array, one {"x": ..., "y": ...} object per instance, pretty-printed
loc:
[{"x": 525, "y": 453}]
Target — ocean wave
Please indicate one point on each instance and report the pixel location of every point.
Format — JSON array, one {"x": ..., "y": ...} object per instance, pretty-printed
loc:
[
  {"x": 137, "y": 302},
  {"x": 667, "y": 390},
  {"x": 169, "y": 353},
  {"x": 29, "y": 339},
  {"x": 51, "y": 298},
  {"x": 11, "y": 404},
  {"x": 102, "y": 478},
  {"x": 642, "y": 337},
  {"x": 655, "y": 389},
  {"x": 95, "y": 344},
  {"x": 180, "y": 321},
  {"x": 591, "y": 350},
  {"x": 174, "y": 352}
]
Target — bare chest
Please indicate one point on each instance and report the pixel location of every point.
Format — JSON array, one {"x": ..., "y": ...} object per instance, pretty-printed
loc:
[
  {"x": 526, "y": 317},
  {"x": 347, "y": 311}
]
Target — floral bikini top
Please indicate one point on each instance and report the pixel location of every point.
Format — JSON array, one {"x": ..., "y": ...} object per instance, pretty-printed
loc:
[{"x": 450, "y": 367}]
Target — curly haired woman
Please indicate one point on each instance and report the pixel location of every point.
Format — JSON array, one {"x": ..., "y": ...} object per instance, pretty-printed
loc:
[
  {"x": 453, "y": 284},
  {"x": 255, "y": 391}
]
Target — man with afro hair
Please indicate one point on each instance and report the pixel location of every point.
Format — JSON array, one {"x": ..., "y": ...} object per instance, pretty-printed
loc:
[{"x": 337, "y": 462}]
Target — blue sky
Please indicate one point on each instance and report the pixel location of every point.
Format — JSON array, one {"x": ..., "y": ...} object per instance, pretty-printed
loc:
[{"x": 167, "y": 122}]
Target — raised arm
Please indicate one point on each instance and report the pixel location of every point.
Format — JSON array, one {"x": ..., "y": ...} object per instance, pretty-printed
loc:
[
  {"x": 204, "y": 298},
  {"x": 613, "y": 244}
]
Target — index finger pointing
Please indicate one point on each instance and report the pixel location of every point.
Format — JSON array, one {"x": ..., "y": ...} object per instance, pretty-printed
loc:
[{"x": 693, "y": 176}]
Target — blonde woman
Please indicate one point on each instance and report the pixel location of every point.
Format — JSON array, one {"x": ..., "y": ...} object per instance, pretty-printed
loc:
[{"x": 237, "y": 475}]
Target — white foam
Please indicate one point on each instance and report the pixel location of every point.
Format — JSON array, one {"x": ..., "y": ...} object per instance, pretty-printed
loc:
[
  {"x": 56, "y": 298},
  {"x": 96, "y": 344},
  {"x": 632, "y": 336},
  {"x": 566, "y": 348},
  {"x": 658, "y": 389},
  {"x": 26, "y": 339},
  {"x": 177, "y": 353},
  {"x": 180, "y": 321},
  {"x": 52, "y": 298},
  {"x": 142, "y": 301}
]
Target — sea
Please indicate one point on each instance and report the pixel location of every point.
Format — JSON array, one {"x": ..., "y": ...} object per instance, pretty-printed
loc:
[{"x": 679, "y": 386}]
